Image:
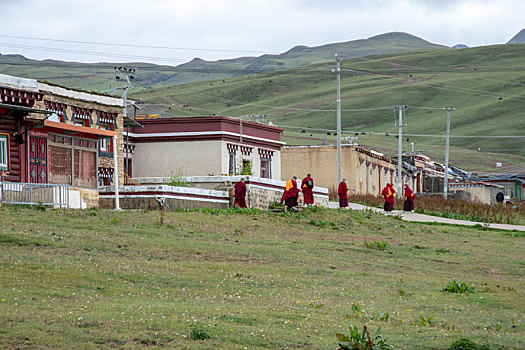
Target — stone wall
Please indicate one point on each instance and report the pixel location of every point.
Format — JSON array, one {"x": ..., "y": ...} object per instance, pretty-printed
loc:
[
  {"x": 261, "y": 192},
  {"x": 89, "y": 197}
]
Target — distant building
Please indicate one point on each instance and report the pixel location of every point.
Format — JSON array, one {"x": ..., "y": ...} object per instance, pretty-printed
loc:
[{"x": 366, "y": 171}]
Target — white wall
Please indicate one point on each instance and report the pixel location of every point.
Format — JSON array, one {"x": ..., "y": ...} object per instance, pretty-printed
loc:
[
  {"x": 254, "y": 157},
  {"x": 161, "y": 158}
]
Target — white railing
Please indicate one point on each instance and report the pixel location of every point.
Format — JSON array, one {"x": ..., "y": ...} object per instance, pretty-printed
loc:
[{"x": 34, "y": 194}]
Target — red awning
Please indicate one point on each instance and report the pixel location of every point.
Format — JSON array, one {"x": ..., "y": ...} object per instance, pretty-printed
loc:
[{"x": 80, "y": 129}]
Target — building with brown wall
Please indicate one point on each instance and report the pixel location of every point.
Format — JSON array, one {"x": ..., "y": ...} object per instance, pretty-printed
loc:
[
  {"x": 53, "y": 135},
  {"x": 366, "y": 171}
]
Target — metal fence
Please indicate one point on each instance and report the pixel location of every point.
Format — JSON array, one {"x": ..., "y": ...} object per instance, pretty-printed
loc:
[{"x": 31, "y": 193}]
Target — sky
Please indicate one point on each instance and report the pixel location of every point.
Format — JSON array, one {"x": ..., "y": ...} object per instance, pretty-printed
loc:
[{"x": 174, "y": 32}]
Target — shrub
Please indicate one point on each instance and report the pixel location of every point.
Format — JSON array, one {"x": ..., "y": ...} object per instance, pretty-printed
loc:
[
  {"x": 362, "y": 340},
  {"x": 176, "y": 178},
  {"x": 458, "y": 287},
  {"x": 198, "y": 332},
  {"x": 376, "y": 245},
  {"x": 465, "y": 344}
]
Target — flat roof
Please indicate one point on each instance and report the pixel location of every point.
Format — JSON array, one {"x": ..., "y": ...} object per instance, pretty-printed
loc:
[{"x": 24, "y": 108}]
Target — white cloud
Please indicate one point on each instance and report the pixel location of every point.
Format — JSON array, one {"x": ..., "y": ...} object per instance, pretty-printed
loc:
[{"x": 267, "y": 26}]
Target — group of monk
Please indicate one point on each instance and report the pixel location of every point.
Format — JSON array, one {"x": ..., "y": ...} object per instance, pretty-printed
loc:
[
  {"x": 388, "y": 193},
  {"x": 291, "y": 194}
]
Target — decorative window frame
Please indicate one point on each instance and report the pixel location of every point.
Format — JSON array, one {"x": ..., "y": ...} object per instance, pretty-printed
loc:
[
  {"x": 4, "y": 152},
  {"x": 107, "y": 118},
  {"x": 103, "y": 174},
  {"x": 232, "y": 158},
  {"x": 265, "y": 156},
  {"x": 60, "y": 109},
  {"x": 245, "y": 150},
  {"x": 105, "y": 146},
  {"x": 82, "y": 116}
]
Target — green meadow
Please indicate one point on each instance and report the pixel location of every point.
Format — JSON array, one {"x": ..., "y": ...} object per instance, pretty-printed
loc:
[
  {"x": 235, "y": 279},
  {"x": 484, "y": 84}
]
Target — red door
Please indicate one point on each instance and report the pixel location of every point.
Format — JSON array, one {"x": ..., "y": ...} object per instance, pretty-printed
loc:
[{"x": 37, "y": 159}]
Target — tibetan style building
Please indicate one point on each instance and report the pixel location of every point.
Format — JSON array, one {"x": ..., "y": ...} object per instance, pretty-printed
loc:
[
  {"x": 54, "y": 135},
  {"x": 203, "y": 146}
]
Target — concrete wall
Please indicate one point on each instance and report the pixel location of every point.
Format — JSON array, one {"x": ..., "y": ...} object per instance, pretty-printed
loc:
[
  {"x": 260, "y": 192},
  {"x": 478, "y": 193},
  {"x": 144, "y": 197},
  {"x": 321, "y": 162},
  {"x": 159, "y": 159}
]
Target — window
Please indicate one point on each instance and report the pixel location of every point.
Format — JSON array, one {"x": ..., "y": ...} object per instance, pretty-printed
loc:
[
  {"x": 266, "y": 163},
  {"x": 232, "y": 158},
  {"x": 231, "y": 165},
  {"x": 4, "y": 152},
  {"x": 360, "y": 171},
  {"x": 58, "y": 109},
  {"x": 105, "y": 146},
  {"x": 72, "y": 161},
  {"x": 81, "y": 116},
  {"x": 266, "y": 168},
  {"x": 373, "y": 175}
]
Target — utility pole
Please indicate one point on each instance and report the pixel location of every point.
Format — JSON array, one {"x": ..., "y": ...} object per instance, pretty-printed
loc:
[
  {"x": 445, "y": 183},
  {"x": 338, "y": 71},
  {"x": 399, "y": 156},
  {"x": 126, "y": 74}
]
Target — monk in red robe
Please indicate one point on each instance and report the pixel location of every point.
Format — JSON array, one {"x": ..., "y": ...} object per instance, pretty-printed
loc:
[
  {"x": 342, "y": 192},
  {"x": 291, "y": 193},
  {"x": 409, "y": 199},
  {"x": 307, "y": 186},
  {"x": 389, "y": 194},
  {"x": 239, "y": 191}
]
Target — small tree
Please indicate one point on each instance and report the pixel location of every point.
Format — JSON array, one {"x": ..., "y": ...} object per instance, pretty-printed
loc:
[{"x": 245, "y": 167}]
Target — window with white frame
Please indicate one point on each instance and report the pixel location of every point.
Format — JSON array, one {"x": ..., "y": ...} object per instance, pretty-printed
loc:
[
  {"x": 266, "y": 163},
  {"x": 360, "y": 171},
  {"x": 373, "y": 175},
  {"x": 232, "y": 158},
  {"x": 4, "y": 152},
  {"x": 231, "y": 165}
]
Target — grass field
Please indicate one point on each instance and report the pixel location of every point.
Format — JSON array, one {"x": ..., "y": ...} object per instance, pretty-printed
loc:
[
  {"x": 252, "y": 280},
  {"x": 484, "y": 84}
]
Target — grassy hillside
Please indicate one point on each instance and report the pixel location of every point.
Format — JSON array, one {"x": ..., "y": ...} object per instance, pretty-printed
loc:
[
  {"x": 98, "y": 76},
  {"x": 252, "y": 280},
  {"x": 484, "y": 84}
]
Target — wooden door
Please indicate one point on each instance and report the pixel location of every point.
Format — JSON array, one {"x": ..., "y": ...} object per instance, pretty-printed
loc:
[{"x": 37, "y": 159}]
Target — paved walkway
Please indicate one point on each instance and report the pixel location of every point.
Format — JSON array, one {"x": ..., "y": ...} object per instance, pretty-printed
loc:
[{"x": 415, "y": 217}]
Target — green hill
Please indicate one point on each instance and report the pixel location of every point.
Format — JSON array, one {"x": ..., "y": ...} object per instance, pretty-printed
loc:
[
  {"x": 484, "y": 84},
  {"x": 98, "y": 76}
]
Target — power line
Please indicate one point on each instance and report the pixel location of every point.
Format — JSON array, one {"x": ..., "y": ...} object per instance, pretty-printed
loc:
[
  {"x": 91, "y": 53},
  {"x": 132, "y": 45}
]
